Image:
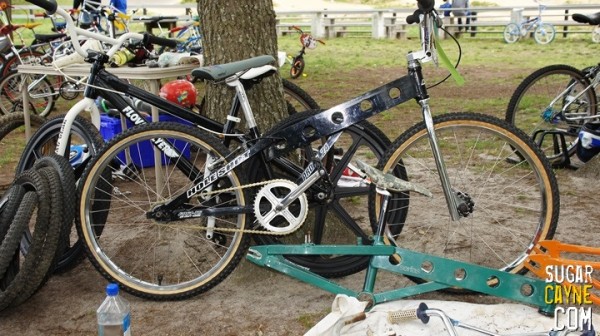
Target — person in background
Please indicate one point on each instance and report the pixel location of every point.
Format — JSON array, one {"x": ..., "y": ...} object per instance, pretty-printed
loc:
[
  {"x": 461, "y": 11},
  {"x": 119, "y": 5},
  {"x": 446, "y": 4}
]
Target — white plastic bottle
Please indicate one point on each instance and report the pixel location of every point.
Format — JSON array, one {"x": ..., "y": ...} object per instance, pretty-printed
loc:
[{"x": 114, "y": 314}]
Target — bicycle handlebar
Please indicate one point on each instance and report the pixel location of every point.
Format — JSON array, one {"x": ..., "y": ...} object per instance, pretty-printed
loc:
[
  {"x": 75, "y": 32},
  {"x": 166, "y": 42}
]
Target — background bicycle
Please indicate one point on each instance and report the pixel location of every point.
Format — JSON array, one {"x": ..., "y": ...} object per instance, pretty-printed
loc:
[
  {"x": 552, "y": 104},
  {"x": 297, "y": 62},
  {"x": 593, "y": 20},
  {"x": 543, "y": 32}
]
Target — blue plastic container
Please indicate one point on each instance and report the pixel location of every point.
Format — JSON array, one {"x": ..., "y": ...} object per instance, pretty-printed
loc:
[{"x": 142, "y": 155}]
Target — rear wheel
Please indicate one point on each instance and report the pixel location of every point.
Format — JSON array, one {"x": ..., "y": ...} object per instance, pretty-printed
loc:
[
  {"x": 512, "y": 33},
  {"x": 297, "y": 97},
  {"x": 150, "y": 255}
]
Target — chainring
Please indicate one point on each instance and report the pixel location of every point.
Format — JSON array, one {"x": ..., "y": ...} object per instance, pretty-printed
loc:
[{"x": 282, "y": 221}]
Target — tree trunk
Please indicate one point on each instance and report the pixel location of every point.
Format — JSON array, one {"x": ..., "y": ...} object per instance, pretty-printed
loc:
[{"x": 234, "y": 30}]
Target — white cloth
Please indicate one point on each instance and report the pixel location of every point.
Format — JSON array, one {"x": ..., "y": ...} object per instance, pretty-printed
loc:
[
  {"x": 504, "y": 319},
  {"x": 342, "y": 308}
]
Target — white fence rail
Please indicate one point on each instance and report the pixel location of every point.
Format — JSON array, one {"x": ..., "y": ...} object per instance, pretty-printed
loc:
[{"x": 381, "y": 23}]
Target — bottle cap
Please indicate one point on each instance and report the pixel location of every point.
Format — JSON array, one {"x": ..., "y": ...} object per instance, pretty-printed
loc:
[{"x": 112, "y": 289}]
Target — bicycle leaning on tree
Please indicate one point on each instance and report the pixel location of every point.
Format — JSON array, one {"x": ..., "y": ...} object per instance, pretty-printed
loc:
[{"x": 474, "y": 188}]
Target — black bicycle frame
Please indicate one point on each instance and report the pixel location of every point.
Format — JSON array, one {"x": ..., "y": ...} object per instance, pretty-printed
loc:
[{"x": 322, "y": 125}]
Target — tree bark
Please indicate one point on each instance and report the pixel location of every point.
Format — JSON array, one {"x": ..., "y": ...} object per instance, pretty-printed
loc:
[{"x": 234, "y": 30}]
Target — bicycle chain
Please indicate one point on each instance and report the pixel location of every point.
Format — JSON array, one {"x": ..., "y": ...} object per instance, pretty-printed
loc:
[{"x": 271, "y": 233}]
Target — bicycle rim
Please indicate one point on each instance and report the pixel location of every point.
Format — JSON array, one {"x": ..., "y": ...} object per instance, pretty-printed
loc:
[
  {"x": 150, "y": 258},
  {"x": 512, "y": 33},
  {"x": 544, "y": 33},
  {"x": 41, "y": 95},
  {"x": 516, "y": 200},
  {"x": 530, "y": 108}
]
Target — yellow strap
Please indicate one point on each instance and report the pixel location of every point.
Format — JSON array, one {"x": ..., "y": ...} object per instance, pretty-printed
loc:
[{"x": 31, "y": 25}]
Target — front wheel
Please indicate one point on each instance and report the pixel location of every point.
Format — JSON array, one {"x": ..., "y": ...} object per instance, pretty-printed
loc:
[
  {"x": 297, "y": 67},
  {"x": 512, "y": 33},
  {"x": 509, "y": 191},
  {"x": 162, "y": 253},
  {"x": 544, "y": 33}
]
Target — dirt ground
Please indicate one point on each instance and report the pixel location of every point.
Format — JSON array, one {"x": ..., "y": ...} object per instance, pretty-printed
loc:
[{"x": 255, "y": 301}]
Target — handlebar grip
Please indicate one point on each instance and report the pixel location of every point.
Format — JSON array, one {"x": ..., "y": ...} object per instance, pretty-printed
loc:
[
  {"x": 151, "y": 39},
  {"x": 414, "y": 17},
  {"x": 406, "y": 315},
  {"x": 426, "y": 5},
  {"x": 49, "y": 5},
  {"x": 397, "y": 316}
]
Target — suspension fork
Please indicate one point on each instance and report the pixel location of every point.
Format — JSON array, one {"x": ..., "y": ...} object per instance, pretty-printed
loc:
[{"x": 414, "y": 70}]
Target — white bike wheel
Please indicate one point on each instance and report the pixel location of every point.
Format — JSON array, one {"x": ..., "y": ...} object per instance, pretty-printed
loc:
[
  {"x": 512, "y": 32},
  {"x": 596, "y": 34},
  {"x": 544, "y": 33}
]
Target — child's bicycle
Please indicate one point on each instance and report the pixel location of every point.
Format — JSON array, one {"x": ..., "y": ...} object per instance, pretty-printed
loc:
[
  {"x": 543, "y": 33},
  {"x": 297, "y": 62},
  {"x": 592, "y": 20}
]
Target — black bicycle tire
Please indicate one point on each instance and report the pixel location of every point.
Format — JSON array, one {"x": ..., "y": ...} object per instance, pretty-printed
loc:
[
  {"x": 92, "y": 173},
  {"x": 534, "y": 77},
  {"x": 547, "y": 229},
  {"x": 297, "y": 67},
  {"x": 299, "y": 95},
  {"x": 51, "y": 95},
  {"x": 14, "y": 198},
  {"x": 341, "y": 265},
  {"x": 49, "y": 130},
  {"x": 32, "y": 181},
  {"x": 9, "y": 250},
  {"x": 67, "y": 255},
  {"x": 46, "y": 260}
]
